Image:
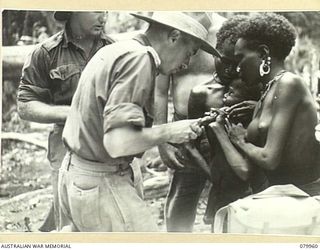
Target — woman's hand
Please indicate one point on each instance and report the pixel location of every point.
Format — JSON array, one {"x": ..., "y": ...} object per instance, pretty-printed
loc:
[
  {"x": 207, "y": 119},
  {"x": 237, "y": 133},
  {"x": 221, "y": 123},
  {"x": 241, "y": 109}
]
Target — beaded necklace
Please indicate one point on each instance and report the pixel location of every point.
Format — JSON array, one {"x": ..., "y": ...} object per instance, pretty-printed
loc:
[{"x": 268, "y": 87}]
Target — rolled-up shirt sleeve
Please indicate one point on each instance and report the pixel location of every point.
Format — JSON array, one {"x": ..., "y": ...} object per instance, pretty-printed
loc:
[
  {"x": 131, "y": 87},
  {"x": 34, "y": 84},
  {"x": 123, "y": 114}
]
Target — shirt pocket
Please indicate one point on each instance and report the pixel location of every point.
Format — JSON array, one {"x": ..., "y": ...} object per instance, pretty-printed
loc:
[{"x": 65, "y": 80}]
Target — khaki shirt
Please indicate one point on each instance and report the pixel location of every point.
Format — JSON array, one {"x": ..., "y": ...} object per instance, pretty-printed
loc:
[
  {"x": 52, "y": 71},
  {"x": 115, "y": 89},
  {"x": 51, "y": 74}
]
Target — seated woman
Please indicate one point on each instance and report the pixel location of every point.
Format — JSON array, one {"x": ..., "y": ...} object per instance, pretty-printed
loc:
[{"x": 280, "y": 139}]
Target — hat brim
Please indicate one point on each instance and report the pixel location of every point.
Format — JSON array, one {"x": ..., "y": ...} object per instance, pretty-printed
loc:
[
  {"x": 62, "y": 15},
  {"x": 204, "y": 45}
]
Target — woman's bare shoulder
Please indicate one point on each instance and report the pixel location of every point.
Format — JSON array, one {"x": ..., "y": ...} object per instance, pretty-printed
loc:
[
  {"x": 291, "y": 84},
  {"x": 289, "y": 80}
]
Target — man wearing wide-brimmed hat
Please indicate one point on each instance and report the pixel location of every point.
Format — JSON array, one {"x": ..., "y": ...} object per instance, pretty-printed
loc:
[
  {"x": 50, "y": 77},
  {"x": 110, "y": 122}
]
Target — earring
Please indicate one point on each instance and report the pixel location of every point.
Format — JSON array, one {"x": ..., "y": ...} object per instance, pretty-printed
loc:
[
  {"x": 264, "y": 68},
  {"x": 238, "y": 69}
]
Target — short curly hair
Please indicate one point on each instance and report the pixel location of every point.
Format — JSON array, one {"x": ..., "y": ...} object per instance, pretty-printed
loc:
[
  {"x": 229, "y": 32},
  {"x": 270, "y": 29}
]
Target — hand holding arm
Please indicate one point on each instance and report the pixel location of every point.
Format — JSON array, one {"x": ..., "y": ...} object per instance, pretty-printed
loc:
[
  {"x": 242, "y": 108},
  {"x": 237, "y": 133}
]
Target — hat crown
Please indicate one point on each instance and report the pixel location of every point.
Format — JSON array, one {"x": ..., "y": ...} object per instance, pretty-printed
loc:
[
  {"x": 202, "y": 17},
  {"x": 196, "y": 26},
  {"x": 182, "y": 22}
]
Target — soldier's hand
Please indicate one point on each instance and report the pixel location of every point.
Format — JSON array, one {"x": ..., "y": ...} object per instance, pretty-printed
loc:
[{"x": 184, "y": 131}]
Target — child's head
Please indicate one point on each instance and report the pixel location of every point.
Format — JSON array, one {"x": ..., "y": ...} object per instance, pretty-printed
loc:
[{"x": 239, "y": 91}]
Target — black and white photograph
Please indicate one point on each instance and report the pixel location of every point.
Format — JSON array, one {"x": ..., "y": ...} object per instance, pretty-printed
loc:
[{"x": 202, "y": 122}]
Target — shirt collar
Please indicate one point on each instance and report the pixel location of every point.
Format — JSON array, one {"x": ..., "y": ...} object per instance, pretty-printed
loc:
[
  {"x": 67, "y": 38},
  {"x": 143, "y": 39}
]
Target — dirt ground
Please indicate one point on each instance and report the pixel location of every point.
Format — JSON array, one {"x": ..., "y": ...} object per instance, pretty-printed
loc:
[{"x": 26, "y": 192}]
